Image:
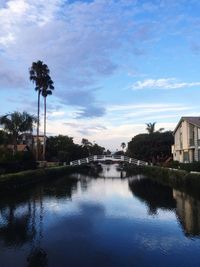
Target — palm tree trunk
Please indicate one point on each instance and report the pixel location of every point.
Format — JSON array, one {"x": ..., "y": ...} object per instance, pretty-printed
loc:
[
  {"x": 44, "y": 142},
  {"x": 38, "y": 126}
]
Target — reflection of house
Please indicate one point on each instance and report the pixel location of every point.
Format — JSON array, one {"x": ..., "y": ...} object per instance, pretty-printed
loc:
[
  {"x": 187, "y": 140},
  {"x": 188, "y": 212}
]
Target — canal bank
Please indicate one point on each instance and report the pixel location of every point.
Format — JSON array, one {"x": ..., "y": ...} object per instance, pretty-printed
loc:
[
  {"x": 179, "y": 179},
  {"x": 25, "y": 178}
]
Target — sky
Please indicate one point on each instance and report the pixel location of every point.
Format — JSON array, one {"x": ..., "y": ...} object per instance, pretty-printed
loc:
[{"x": 116, "y": 64}]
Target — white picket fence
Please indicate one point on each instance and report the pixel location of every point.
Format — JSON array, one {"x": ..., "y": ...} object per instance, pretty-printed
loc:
[{"x": 104, "y": 158}]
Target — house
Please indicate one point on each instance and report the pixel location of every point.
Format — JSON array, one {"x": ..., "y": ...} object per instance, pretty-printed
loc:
[
  {"x": 40, "y": 139},
  {"x": 187, "y": 140},
  {"x": 19, "y": 148}
]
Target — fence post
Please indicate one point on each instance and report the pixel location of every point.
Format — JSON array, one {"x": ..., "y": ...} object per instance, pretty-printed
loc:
[
  {"x": 138, "y": 162},
  {"x": 87, "y": 160},
  {"x": 79, "y": 162},
  {"x": 130, "y": 160}
]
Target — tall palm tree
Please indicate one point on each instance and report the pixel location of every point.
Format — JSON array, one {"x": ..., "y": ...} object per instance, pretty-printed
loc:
[
  {"x": 39, "y": 74},
  {"x": 17, "y": 123},
  {"x": 46, "y": 90}
]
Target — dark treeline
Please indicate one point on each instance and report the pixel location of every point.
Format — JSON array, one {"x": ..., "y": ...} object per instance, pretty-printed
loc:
[
  {"x": 153, "y": 147},
  {"x": 62, "y": 148}
]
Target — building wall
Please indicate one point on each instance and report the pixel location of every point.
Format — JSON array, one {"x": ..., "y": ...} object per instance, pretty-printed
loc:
[{"x": 186, "y": 147}]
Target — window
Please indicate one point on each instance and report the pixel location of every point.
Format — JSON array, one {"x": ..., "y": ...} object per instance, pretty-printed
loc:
[{"x": 185, "y": 156}]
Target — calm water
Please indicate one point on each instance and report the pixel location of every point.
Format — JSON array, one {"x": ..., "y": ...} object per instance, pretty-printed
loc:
[{"x": 106, "y": 221}]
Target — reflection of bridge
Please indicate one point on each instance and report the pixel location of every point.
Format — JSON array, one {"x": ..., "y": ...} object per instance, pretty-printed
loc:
[{"x": 108, "y": 158}]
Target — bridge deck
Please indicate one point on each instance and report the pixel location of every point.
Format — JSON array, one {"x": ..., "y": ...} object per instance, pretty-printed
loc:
[{"x": 104, "y": 158}]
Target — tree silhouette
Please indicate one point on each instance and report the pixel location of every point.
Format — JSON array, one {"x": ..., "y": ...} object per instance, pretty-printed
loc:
[
  {"x": 17, "y": 123},
  {"x": 123, "y": 145},
  {"x": 39, "y": 75},
  {"x": 151, "y": 128}
]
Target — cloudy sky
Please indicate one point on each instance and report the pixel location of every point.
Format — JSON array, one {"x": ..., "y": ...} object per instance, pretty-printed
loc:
[{"x": 116, "y": 64}]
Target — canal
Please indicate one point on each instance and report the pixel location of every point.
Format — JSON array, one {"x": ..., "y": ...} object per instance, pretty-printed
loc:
[{"x": 111, "y": 220}]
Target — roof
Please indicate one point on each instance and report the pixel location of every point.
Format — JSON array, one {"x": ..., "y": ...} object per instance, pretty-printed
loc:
[
  {"x": 19, "y": 147},
  {"x": 192, "y": 120}
]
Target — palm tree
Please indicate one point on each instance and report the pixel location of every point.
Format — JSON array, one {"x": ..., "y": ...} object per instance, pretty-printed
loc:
[
  {"x": 46, "y": 90},
  {"x": 39, "y": 74},
  {"x": 150, "y": 127},
  {"x": 123, "y": 145},
  {"x": 17, "y": 123}
]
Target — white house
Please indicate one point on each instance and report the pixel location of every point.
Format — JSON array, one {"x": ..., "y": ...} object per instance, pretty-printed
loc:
[{"x": 187, "y": 140}]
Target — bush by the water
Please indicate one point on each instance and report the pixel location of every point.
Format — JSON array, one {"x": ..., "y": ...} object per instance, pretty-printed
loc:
[
  {"x": 20, "y": 161},
  {"x": 195, "y": 166}
]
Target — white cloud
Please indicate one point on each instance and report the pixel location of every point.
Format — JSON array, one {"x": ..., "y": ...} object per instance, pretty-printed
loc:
[
  {"x": 78, "y": 40},
  {"x": 119, "y": 124},
  {"x": 163, "y": 83}
]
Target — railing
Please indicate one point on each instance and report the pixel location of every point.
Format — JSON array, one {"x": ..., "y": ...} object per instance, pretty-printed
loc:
[{"x": 101, "y": 158}]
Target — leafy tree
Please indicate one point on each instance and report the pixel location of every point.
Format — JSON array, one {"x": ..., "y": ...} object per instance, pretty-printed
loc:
[
  {"x": 108, "y": 152},
  {"x": 87, "y": 145},
  {"x": 4, "y": 138},
  {"x": 119, "y": 152},
  {"x": 97, "y": 150},
  {"x": 39, "y": 74},
  {"x": 62, "y": 148},
  {"x": 17, "y": 123},
  {"x": 155, "y": 147}
]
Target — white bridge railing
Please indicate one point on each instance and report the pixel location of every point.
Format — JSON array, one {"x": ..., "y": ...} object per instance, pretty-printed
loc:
[{"x": 102, "y": 158}]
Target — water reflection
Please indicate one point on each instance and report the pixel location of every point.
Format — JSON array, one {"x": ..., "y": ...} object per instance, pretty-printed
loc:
[
  {"x": 105, "y": 221},
  {"x": 158, "y": 196},
  {"x": 22, "y": 214},
  {"x": 188, "y": 212},
  {"x": 112, "y": 171},
  {"x": 155, "y": 195}
]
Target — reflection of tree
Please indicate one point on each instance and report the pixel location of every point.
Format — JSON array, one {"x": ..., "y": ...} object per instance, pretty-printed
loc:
[
  {"x": 188, "y": 212},
  {"x": 37, "y": 258},
  {"x": 22, "y": 216},
  {"x": 15, "y": 230},
  {"x": 61, "y": 188},
  {"x": 153, "y": 194}
]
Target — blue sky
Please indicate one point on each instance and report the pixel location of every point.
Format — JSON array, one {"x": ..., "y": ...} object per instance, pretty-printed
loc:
[{"x": 116, "y": 64}]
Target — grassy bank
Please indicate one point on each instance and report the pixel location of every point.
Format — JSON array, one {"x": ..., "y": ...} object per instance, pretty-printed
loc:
[
  {"x": 178, "y": 179},
  {"x": 15, "y": 180}
]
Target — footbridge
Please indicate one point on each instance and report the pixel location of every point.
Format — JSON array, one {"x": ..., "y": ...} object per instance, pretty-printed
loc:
[{"x": 108, "y": 158}]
